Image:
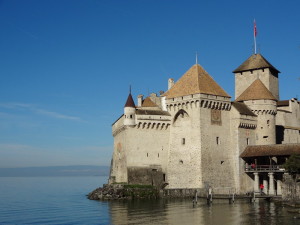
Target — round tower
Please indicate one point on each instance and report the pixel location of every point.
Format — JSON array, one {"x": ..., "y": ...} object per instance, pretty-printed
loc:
[
  {"x": 129, "y": 112},
  {"x": 266, "y": 110},
  {"x": 262, "y": 102}
]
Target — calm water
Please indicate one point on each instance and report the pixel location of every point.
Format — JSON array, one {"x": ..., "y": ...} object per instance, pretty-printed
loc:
[{"x": 62, "y": 200}]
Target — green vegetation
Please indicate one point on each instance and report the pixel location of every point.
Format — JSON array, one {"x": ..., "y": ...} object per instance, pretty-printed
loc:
[
  {"x": 138, "y": 186},
  {"x": 140, "y": 191},
  {"x": 292, "y": 165}
]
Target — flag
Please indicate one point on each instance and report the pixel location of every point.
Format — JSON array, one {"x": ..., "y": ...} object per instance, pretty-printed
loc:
[{"x": 255, "y": 29}]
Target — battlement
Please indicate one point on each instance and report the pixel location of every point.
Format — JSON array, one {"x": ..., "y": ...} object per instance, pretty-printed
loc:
[{"x": 199, "y": 100}]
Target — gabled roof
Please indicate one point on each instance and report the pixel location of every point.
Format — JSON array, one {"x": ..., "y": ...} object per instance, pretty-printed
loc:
[
  {"x": 148, "y": 103},
  {"x": 243, "y": 109},
  {"x": 130, "y": 102},
  {"x": 256, "y": 91},
  {"x": 271, "y": 150},
  {"x": 196, "y": 80},
  {"x": 256, "y": 61}
]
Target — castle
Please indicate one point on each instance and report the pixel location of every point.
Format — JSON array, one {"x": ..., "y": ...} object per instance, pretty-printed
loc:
[{"x": 194, "y": 136}]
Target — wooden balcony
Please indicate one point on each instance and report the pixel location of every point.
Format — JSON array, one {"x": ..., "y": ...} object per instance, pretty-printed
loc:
[{"x": 264, "y": 168}]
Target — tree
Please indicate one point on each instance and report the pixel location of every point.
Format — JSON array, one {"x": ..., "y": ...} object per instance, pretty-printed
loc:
[{"x": 292, "y": 165}]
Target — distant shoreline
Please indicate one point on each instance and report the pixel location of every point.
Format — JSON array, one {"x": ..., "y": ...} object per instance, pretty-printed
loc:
[{"x": 55, "y": 171}]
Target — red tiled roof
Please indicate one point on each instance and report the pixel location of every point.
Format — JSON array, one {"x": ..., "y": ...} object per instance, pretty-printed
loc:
[
  {"x": 130, "y": 102},
  {"x": 256, "y": 91},
  {"x": 196, "y": 80}
]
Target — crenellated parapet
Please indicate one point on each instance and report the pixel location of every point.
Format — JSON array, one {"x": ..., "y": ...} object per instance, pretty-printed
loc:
[
  {"x": 153, "y": 125},
  {"x": 211, "y": 104},
  {"x": 198, "y": 101},
  {"x": 265, "y": 112},
  {"x": 247, "y": 126}
]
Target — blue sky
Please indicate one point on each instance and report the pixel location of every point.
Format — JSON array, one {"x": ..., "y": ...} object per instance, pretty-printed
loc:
[{"x": 66, "y": 66}]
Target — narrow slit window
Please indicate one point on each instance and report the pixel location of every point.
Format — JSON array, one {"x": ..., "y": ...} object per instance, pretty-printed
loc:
[
  {"x": 218, "y": 140},
  {"x": 183, "y": 141}
]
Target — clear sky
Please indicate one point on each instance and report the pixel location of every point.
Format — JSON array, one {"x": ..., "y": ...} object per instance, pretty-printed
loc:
[{"x": 66, "y": 65}]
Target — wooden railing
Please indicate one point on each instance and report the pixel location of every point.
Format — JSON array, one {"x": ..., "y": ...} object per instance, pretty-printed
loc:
[{"x": 264, "y": 168}]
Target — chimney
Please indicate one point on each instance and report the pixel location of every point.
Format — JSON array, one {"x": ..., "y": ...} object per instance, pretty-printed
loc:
[
  {"x": 170, "y": 83},
  {"x": 140, "y": 100}
]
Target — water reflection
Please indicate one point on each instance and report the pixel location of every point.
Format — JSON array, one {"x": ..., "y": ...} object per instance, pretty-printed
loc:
[{"x": 182, "y": 212}]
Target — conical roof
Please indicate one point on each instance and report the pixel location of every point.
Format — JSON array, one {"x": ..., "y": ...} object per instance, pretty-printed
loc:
[
  {"x": 130, "y": 102},
  {"x": 256, "y": 61},
  {"x": 148, "y": 103},
  {"x": 196, "y": 80},
  {"x": 256, "y": 91}
]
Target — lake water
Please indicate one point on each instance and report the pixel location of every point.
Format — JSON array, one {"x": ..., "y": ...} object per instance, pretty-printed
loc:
[{"x": 62, "y": 200}]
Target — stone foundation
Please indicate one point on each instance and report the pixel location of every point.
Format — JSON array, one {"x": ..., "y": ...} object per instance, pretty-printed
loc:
[{"x": 290, "y": 189}]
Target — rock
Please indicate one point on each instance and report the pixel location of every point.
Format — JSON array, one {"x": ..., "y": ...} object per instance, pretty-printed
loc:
[{"x": 118, "y": 191}]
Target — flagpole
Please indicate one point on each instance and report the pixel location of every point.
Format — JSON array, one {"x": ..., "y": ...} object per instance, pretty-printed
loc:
[
  {"x": 254, "y": 45},
  {"x": 254, "y": 34}
]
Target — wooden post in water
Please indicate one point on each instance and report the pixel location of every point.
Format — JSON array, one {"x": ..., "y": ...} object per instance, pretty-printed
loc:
[
  {"x": 209, "y": 196},
  {"x": 231, "y": 198},
  {"x": 252, "y": 199}
]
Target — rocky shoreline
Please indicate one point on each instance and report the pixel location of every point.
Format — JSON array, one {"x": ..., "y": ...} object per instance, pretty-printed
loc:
[{"x": 124, "y": 191}]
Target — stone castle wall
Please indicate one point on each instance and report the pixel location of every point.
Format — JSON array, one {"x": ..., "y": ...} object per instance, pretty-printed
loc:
[
  {"x": 139, "y": 146},
  {"x": 288, "y": 118},
  {"x": 242, "y": 135},
  {"x": 146, "y": 176},
  {"x": 118, "y": 168},
  {"x": 217, "y": 156},
  {"x": 147, "y": 146},
  {"x": 184, "y": 149}
]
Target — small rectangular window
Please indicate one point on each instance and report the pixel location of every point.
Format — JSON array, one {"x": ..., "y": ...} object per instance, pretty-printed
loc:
[
  {"x": 217, "y": 140},
  {"x": 248, "y": 141},
  {"x": 183, "y": 141}
]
